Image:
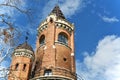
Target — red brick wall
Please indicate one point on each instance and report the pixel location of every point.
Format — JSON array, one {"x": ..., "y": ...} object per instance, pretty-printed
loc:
[
  {"x": 19, "y": 73},
  {"x": 53, "y": 57}
]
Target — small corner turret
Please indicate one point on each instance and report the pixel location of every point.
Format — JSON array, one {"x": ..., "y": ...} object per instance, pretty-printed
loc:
[{"x": 22, "y": 59}]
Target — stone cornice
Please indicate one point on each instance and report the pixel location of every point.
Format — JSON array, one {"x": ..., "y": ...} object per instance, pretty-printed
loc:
[
  {"x": 24, "y": 53},
  {"x": 63, "y": 26},
  {"x": 60, "y": 43},
  {"x": 59, "y": 23}
]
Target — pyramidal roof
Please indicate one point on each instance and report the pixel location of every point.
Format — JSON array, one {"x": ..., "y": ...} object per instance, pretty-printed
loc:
[
  {"x": 56, "y": 10},
  {"x": 25, "y": 45}
]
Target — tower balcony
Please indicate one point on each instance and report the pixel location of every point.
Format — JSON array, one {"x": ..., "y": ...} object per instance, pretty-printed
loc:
[{"x": 54, "y": 74}]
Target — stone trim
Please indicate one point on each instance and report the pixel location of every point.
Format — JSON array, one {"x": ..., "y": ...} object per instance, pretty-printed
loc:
[
  {"x": 52, "y": 77},
  {"x": 24, "y": 53},
  {"x": 72, "y": 54},
  {"x": 24, "y": 50},
  {"x": 64, "y": 27},
  {"x": 58, "y": 24},
  {"x": 42, "y": 28},
  {"x": 67, "y": 74},
  {"x": 60, "y": 43}
]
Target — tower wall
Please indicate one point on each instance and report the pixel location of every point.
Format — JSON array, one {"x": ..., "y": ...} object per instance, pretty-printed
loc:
[
  {"x": 21, "y": 65},
  {"x": 63, "y": 51},
  {"x": 55, "y": 55}
]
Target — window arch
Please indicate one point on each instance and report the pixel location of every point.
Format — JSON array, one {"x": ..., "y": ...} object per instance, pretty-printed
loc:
[
  {"x": 63, "y": 38},
  {"x": 42, "y": 40},
  {"x": 16, "y": 66},
  {"x": 51, "y": 20}
]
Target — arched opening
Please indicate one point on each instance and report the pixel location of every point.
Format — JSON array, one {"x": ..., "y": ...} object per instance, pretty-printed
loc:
[
  {"x": 47, "y": 72},
  {"x": 42, "y": 40},
  {"x": 63, "y": 38},
  {"x": 16, "y": 66},
  {"x": 24, "y": 67},
  {"x": 51, "y": 20}
]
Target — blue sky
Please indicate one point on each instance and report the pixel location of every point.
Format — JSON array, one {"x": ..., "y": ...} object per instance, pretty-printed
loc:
[{"x": 97, "y": 32}]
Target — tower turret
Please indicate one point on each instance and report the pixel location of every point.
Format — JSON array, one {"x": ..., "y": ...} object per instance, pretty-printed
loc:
[
  {"x": 22, "y": 59},
  {"x": 55, "y": 48}
]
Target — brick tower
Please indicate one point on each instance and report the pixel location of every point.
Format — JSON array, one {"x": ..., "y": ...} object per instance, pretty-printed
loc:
[
  {"x": 22, "y": 59},
  {"x": 54, "y": 58}
]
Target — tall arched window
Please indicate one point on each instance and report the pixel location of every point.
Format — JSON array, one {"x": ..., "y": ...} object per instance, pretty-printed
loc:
[
  {"x": 63, "y": 38},
  {"x": 16, "y": 66},
  {"x": 42, "y": 40}
]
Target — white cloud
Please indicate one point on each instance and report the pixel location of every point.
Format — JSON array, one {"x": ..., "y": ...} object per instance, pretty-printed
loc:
[
  {"x": 105, "y": 63},
  {"x": 68, "y": 7},
  {"x": 109, "y": 19}
]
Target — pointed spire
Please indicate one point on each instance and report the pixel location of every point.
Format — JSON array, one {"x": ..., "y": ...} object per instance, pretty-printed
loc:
[{"x": 58, "y": 12}]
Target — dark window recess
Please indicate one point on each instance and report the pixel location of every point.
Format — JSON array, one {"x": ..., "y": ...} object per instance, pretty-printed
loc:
[
  {"x": 42, "y": 40},
  {"x": 64, "y": 59},
  {"x": 48, "y": 72},
  {"x": 51, "y": 20},
  {"x": 24, "y": 67},
  {"x": 16, "y": 66},
  {"x": 62, "y": 38},
  {"x": 35, "y": 69}
]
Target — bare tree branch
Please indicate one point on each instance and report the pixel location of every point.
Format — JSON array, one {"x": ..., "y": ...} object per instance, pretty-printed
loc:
[
  {"x": 9, "y": 5},
  {"x": 9, "y": 36}
]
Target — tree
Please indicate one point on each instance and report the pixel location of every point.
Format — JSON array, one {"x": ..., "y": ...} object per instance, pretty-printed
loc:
[{"x": 9, "y": 33}]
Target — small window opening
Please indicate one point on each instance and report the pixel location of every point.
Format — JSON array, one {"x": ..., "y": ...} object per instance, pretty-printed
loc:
[
  {"x": 51, "y": 20},
  {"x": 42, "y": 40},
  {"x": 48, "y": 72},
  {"x": 62, "y": 37},
  {"x": 16, "y": 66},
  {"x": 64, "y": 59},
  {"x": 24, "y": 67}
]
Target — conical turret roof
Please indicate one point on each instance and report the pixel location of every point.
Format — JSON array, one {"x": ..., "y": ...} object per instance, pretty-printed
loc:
[
  {"x": 58, "y": 12},
  {"x": 25, "y": 45}
]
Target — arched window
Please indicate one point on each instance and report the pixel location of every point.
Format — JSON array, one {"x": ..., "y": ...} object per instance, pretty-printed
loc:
[
  {"x": 51, "y": 20},
  {"x": 63, "y": 38},
  {"x": 48, "y": 72},
  {"x": 16, "y": 66},
  {"x": 42, "y": 40},
  {"x": 24, "y": 67}
]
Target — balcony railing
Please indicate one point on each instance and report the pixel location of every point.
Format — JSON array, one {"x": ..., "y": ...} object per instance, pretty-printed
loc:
[{"x": 57, "y": 73}]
